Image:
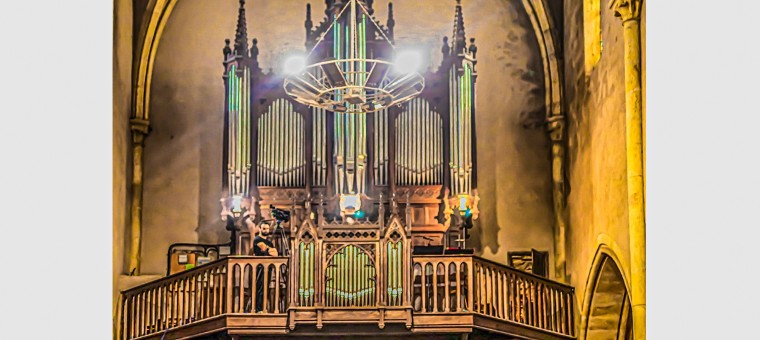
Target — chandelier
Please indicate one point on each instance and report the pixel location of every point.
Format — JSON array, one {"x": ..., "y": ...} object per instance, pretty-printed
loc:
[{"x": 354, "y": 83}]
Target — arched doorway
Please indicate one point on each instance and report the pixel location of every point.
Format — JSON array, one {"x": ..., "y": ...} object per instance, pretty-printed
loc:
[{"x": 608, "y": 314}]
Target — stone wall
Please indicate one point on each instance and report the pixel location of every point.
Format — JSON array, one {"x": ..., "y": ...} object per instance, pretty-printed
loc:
[{"x": 598, "y": 211}]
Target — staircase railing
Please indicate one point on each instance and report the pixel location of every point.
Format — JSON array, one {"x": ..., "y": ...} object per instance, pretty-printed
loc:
[
  {"x": 224, "y": 286},
  {"x": 466, "y": 283}
]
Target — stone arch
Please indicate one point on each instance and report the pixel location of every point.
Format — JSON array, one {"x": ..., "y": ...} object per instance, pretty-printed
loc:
[{"x": 607, "y": 311}]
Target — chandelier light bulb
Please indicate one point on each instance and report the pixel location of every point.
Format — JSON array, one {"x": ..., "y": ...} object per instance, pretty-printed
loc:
[
  {"x": 294, "y": 65},
  {"x": 407, "y": 62}
]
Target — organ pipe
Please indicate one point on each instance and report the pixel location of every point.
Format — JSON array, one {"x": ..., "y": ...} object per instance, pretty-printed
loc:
[
  {"x": 281, "y": 146},
  {"x": 420, "y": 145}
]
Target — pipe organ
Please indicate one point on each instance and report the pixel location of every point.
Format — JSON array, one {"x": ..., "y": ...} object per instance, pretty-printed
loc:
[
  {"x": 363, "y": 188},
  {"x": 422, "y": 153}
]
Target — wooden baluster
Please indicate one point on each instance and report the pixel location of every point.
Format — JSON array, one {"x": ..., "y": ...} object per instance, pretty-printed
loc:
[
  {"x": 182, "y": 301},
  {"x": 148, "y": 303},
  {"x": 170, "y": 305},
  {"x": 539, "y": 305},
  {"x": 146, "y": 322},
  {"x": 256, "y": 279},
  {"x": 446, "y": 287},
  {"x": 131, "y": 317},
  {"x": 218, "y": 291},
  {"x": 482, "y": 294},
  {"x": 563, "y": 310},
  {"x": 160, "y": 305},
  {"x": 241, "y": 280},
  {"x": 491, "y": 292},
  {"x": 529, "y": 301},
  {"x": 534, "y": 302},
  {"x": 555, "y": 323},
  {"x": 123, "y": 324},
  {"x": 156, "y": 308},
  {"x": 265, "y": 305},
  {"x": 570, "y": 309},
  {"x": 134, "y": 316},
  {"x": 560, "y": 307},
  {"x": 423, "y": 276},
  {"x": 498, "y": 293},
  {"x": 505, "y": 292},
  {"x": 207, "y": 277},
  {"x": 277, "y": 289},
  {"x": 144, "y": 312},
  {"x": 223, "y": 289},
  {"x": 211, "y": 292},
  {"x": 435, "y": 288},
  {"x": 188, "y": 299},
  {"x": 483, "y": 289},
  {"x": 138, "y": 315}
]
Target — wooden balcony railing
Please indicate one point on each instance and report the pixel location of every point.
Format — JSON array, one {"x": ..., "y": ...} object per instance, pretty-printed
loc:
[
  {"x": 508, "y": 294},
  {"x": 466, "y": 283},
  {"x": 205, "y": 293},
  {"x": 447, "y": 294}
]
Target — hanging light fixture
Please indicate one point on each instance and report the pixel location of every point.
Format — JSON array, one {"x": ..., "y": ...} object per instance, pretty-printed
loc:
[{"x": 354, "y": 84}]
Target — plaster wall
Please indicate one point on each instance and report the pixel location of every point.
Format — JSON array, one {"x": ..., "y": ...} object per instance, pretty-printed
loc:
[
  {"x": 598, "y": 211},
  {"x": 183, "y": 162}
]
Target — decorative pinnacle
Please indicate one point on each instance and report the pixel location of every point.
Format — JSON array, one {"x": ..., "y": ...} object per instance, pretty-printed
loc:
[
  {"x": 391, "y": 22},
  {"x": 308, "y": 22},
  {"x": 241, "y": 33},
  {"x": 458, "y": 43}
]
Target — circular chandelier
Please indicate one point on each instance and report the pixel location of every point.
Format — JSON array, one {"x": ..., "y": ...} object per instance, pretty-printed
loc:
[{"x": 354, "y": 84}]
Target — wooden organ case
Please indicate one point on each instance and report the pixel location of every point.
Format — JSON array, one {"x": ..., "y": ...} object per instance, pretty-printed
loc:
[{"x": 362, "y": 189}]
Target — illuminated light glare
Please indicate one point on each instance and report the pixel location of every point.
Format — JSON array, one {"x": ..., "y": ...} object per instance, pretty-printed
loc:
[
  {"x": 407, "y": 62},
  {"x": 294, "y": 65},
  {"x": 359, "y": 214},
  {"x": 236, "y": 203}
]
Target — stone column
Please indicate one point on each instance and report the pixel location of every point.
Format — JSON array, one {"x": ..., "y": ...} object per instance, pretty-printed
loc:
[
  {"x": 139, "y": 131},
  {"x": 629, "y": 11},
  {"x": 556, "y": 127}
]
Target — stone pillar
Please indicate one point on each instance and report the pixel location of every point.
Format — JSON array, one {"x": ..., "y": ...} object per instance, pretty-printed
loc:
[
  {"x": 139, "y": 131},
  {"x": 556, "y": 127},
  {"x": 629, "y": 11}
]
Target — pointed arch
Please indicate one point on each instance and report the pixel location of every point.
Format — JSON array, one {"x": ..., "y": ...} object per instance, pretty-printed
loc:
[{"x": 606, "y": 311}]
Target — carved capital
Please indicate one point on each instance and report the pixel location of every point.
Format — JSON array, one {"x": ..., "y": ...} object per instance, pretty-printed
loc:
[
  {"x": 556, "y": 127},
  {"x": 140, "y": 128},
  {"x": 627, "y": 9}
]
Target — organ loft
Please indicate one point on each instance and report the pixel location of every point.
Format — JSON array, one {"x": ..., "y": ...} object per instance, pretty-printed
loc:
[{"x": 349, "y": 181}]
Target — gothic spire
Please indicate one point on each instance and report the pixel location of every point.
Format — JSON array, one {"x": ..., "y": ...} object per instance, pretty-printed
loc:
[
  {"x": 308, "y": 24},
  {"x": 241, "y": 33},
  {"x": 391, "y": 22},
  {"x": 459, "y": 41}
]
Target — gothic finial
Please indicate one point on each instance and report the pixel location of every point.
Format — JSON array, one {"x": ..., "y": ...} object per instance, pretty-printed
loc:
[
  {"x": 473, "y": 49},
  {"x": 227, "y": 50},
  {"x": 391, "y": 22},
  {"x": 254, "y": 49},
  {"x": 445, "y": 49},
  {"x": 241, "y": 33},
  {"x": 308, "y": 24},
  {"x": 458, "y": 43}
]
